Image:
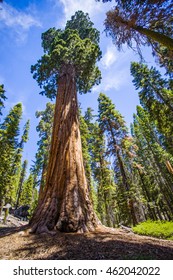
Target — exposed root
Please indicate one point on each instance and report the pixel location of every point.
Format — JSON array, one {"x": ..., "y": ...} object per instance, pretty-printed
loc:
[{"x": 41, "y": 230}]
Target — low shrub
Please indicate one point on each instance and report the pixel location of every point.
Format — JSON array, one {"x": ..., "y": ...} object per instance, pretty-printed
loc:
[{"x": 159, "y": 229}]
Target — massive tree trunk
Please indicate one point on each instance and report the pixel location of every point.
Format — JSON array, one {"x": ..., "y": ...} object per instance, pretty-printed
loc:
[
  {"x": 66, "y": 204},
  {"x": 43, "y": 179}
]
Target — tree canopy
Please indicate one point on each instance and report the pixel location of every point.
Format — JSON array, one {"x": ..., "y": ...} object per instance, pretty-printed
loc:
[
  {"x": 125, "y": 25},
  {"x": 76, "y": 45}
]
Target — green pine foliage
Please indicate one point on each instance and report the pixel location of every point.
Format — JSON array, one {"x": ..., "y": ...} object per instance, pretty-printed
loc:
[
  {"x": 153, "y": 130},
  {"x": 44, "y": 129},
  {"x": 26, "y": 196},
  {"x": 28, "y": 193},
  {"x": 34, "y": 202},
  {"x": 76, "y": 45},
  {"x": 9, "y": 141},
  {"x": 21, "y": 182},
  {"x": 17, "y": 165},
  {"x": 103, "y": 176},
  {"x": 2, "y": 98},
  {"x": 120, "y": 147},
  {"x": 156, "y": 97},
  {"x": 11, "y": 149},
  {"x": 152, "y": 164},
  {"x": 85, "y": 137},
  {"x": 98, "y": 167}
]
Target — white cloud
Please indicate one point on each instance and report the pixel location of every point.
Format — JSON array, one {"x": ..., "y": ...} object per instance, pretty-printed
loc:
[
  {"x": 71, "y": 6},
  {"x": 12, "y": 17},
  {"x": 18, "y": 21},
  {"x": 110, "y": 81},
  {"x": 96, "y": 10},
  {"x": 110, "y": 57},
  {"x": 115, "y": 69}
]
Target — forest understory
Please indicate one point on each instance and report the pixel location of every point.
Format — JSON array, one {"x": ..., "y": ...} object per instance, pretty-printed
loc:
[{"x": 105, "y": 243}]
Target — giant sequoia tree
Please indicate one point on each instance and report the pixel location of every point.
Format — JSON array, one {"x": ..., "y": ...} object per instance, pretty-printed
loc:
[{"x": 67, "y": 66}]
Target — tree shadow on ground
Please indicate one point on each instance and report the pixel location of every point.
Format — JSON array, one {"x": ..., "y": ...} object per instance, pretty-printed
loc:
[
  {"x": 5, "y": 231},
  {"x": 96, "y": 246}
]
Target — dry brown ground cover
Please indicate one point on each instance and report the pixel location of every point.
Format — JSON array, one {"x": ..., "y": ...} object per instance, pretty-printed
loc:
[{"x": 16, "y": 243}]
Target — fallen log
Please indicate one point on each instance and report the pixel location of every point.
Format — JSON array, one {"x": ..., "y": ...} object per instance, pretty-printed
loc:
[{"x": 127, "y": 229}]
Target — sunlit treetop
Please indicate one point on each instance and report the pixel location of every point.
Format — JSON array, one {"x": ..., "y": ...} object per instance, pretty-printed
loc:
[
  {"x": 77, "y": 45},
  {"x": 110, "y": 117},
  {"x": 81, "y": 22}
]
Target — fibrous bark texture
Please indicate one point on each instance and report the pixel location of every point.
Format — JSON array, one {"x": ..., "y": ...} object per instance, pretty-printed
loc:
[{"x": 65, "y": 204}]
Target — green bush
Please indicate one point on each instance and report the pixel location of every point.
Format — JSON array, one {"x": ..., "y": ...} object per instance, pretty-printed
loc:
[{"x": 160, "y": 229}]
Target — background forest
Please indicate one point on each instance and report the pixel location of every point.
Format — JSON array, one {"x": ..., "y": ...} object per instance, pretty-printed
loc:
[{"x": 129, "y": 170}]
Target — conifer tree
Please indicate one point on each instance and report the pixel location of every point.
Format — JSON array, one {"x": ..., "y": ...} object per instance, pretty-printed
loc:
[
  {"x": 103, "y": 176},
  {"x": 142, "y": 23},
  {"x": 157, "y": 98},
  {"x": 17, "y": 162},
  {"x": 21, "y": 181},
  {"x": 26, "y": 196},
  {"x": 85, "y": 136},
  {"x": 44, "y": 128},
  {"x": 165, "y": 59},
  {"x": 8, "y": 145},
  {"x": 34, "y": 202},
  {"x": 91, "y": 134},
  {"x": 101, "y": 173},
  {"x": 69, "y": 64},
  {"x": 152, "y": 164},
  {"x": 113, "y": 125}
]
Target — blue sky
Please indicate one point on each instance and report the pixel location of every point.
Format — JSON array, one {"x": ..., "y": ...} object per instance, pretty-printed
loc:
[{"x": 21, "y": 25}]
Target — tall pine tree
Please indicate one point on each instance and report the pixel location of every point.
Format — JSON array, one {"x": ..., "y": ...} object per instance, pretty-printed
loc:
[
  {"x": 113, "y": 125},
  {"x": 8, "y": 145},
  {"x": 157, "y": 98},
  {"x": 44, "y": 128}
]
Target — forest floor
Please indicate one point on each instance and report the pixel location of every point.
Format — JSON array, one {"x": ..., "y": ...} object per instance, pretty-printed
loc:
[{"x": 103, "y": 244}]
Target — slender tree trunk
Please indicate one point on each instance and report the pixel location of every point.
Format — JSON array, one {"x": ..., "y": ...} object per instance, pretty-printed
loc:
[
  {"x": 147, "y": 195},
  {"x": 156, "y": 36},
  {"x": 1, "y": 207},
  {"x": 160, "y": 95},
  {"x": 124, "y": 177},
  {"x": 104, "y": 194},
  {"x": 66, "y": 203},
  {"x": 108, "y": 218}
]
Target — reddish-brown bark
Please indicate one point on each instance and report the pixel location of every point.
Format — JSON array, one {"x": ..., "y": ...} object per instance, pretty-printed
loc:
[{"x": 65, "y": 204}]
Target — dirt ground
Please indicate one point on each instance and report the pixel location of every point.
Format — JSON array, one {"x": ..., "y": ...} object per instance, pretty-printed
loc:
[{"x": 104, "y": 244}]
